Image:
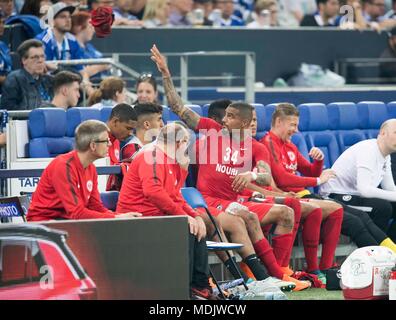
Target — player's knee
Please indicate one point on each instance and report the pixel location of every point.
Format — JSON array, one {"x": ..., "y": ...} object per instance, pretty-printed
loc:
[{"x": 286, "y": 216}]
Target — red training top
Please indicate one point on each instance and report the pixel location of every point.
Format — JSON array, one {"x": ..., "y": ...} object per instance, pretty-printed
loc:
[
  {"x": 67, "y": 191},
  {"x": 220, "y": 158},
  {"x": 286, "y": 160},
  {"x": 152, "y": 186}
]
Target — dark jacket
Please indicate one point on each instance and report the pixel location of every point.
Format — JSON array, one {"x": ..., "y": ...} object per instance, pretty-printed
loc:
[{"x": 22, "y": 92}]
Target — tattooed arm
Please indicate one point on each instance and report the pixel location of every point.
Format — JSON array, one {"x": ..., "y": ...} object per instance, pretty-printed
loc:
[
  {"x": 190, "y": 117},
  {"x": 264, "y": 177}
]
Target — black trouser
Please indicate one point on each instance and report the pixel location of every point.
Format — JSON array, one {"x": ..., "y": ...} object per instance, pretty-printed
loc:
[
  {"x": 357, "y": 225},
  {"x": 362, "y": 227},
  {"x": 199, "y": 267}
]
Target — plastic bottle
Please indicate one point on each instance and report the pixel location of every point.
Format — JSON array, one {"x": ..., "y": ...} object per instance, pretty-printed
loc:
[{"x": 392, "y": 284}]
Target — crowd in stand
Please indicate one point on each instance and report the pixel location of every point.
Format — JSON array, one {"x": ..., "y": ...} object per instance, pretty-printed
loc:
[{"x": 377, "y": 14}]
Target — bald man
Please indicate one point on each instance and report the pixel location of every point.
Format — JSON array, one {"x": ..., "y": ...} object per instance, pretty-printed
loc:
[{"x": 360, "y": 170}]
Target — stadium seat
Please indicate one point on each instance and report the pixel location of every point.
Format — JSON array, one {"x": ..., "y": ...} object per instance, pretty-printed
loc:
[
  {"x": 174, "y": 117},
  {"x": 165, "y": 114},
  {"x": 110, "y": 199},
  {"x": 75, "y": 116},
  {"x": 314, "y": 126},
  {"x": 261, "y": 117},
  {"x": 269, "y": 110},
  {"x": 205, "y": 109},
  {"x": 391, "y": 110},
  {"x": 344, "y": 119},
  {"x": 371, "y": 115},
  {"x": 299, "y": 140},
  {"x": 105, "y": 113},
  {"x": 47, "y": 128}
]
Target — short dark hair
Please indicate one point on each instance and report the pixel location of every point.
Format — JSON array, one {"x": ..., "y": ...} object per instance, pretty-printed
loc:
[
  {"x": 245, "y": 110},
  {"x": 124, "y": 112},
  {"x": 318, "y": 2},
  {"x": 26, "y": 45},
  {"x": 284, "y": 110},
  {"x": 143, "y": 109},
  {"x": 65, "y": 78},
  {"x": 217, "y": 108}
]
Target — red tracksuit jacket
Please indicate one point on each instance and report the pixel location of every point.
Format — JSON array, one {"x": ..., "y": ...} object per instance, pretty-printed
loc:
[
  {"x": 67, "y": 191},
  {"x": 152, "y": 186},
  {"x": 286, "y": 160}
]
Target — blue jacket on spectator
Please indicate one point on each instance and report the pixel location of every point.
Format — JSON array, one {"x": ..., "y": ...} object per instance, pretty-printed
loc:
[
  {"x": 234, "y": 21},
  {"x": 5, "y": 59},
  {"x": 70, "y": 48},
  {"x": 22, "y": 92}
]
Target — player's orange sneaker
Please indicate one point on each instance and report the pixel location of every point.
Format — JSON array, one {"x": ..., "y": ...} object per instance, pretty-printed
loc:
[
  {"x": 300, "y": 285},
  {"x": 287, "y": 270}
]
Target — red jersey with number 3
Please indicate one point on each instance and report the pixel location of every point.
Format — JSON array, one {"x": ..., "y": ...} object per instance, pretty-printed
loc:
[{"x": 220, "y": 158}]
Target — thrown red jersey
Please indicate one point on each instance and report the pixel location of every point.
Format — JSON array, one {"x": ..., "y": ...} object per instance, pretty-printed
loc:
[
  {"x": 286, "y": 160},
  {"x": 152, "y": 186},
  {"x": 67, "y": 191},
  {"x": 220, "y": 158}
]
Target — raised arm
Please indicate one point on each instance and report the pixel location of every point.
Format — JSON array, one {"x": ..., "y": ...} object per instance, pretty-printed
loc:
[{"x": 190, "y": 117}]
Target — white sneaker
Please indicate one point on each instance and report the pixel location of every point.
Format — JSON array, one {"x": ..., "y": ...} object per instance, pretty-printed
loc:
[{"x": 280, "y": 284}]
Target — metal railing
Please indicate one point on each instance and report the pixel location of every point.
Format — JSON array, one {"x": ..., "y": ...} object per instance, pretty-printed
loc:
[{"x": 249, "y": 75}]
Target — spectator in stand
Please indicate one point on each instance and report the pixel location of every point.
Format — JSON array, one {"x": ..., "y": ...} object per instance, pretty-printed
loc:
[
  {"x": 7, "y": 6},
  {"x": 36, "y": 8},
  {"x": 373, "y": 12},
  {"x": 66, "y": 86},
  {"x": 156, "y": 13},
  {"x": 260, "y": 20},
  {"x": 244, "y": 8},
  {"x": 94, "y": 4},
  {"x": 391, "y": 14},
  {"x": 228, "y": 19},
  {"x": 146, "y": 89},
  {"x": 291, "y": 12},
  {"x": 122, "y": 17},
  {"x": 58, "y": 42},
  {"x": 68, "y": 188},
  {"x": 179, "y": 13},
  {"x": 28, "y": 87},
  {"x": 5, "y": 58},
  {"x": 354, "y": 19},
  {"x": 137, "y": 8},
  {"x": 111, "y": 91},
  {"x": 84, "y": 31},
  {"x": 388, "y": 69},
  {"x": 207, "y": 7},
  {"x": 325, "y": 17}
]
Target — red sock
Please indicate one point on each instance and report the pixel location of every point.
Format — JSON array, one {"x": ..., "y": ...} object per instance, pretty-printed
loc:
[
  {"x": 296, "y": 206},
  {"x": 281, "y": 245},
  {"x": 311, "y": 236},
  {"x": 330, "y": 235},
  {"x": 266, "y": 255}
]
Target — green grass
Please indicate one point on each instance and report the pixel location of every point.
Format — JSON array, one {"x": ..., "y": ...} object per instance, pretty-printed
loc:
[{"x": 315, "y": 294}]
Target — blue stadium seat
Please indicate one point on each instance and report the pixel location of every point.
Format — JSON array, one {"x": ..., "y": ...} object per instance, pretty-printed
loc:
[
  {"x": 47, "y": 128},
  {"x": 174, "y": 117},
  {"x": 344, "y": 119},
  {"x": 391, "y": 110},
  {"x": 75, "y": 116},
  {"x": 105, "y": 113},
  {"x": 194, "y": 198},
  {"x": 299, "y": 140},
  {"x": 371, "y": 115},
  {"x": 269, "y": 110},
  {"x": 165, "y": 114},
  {"x": 314, "y": 125},
  {"x": 110, "y": 199},
  {"x": 261, "y": 116},
  {"x": 205, "y": 109}
]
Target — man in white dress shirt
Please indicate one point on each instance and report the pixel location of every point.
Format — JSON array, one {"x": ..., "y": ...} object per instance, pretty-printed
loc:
[{"x": 360, "y": 170}]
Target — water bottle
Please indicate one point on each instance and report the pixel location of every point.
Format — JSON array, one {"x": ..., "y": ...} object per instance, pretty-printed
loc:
[
  {"x": 392, "y": 284},
  {"x": 198, "y": 17},
  {"x": 215, "y": 16},
  {"x": 265, "y": 18}
]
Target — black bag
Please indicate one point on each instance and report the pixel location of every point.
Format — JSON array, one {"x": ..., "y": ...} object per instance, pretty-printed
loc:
[{"x": 333, "y": 279}]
